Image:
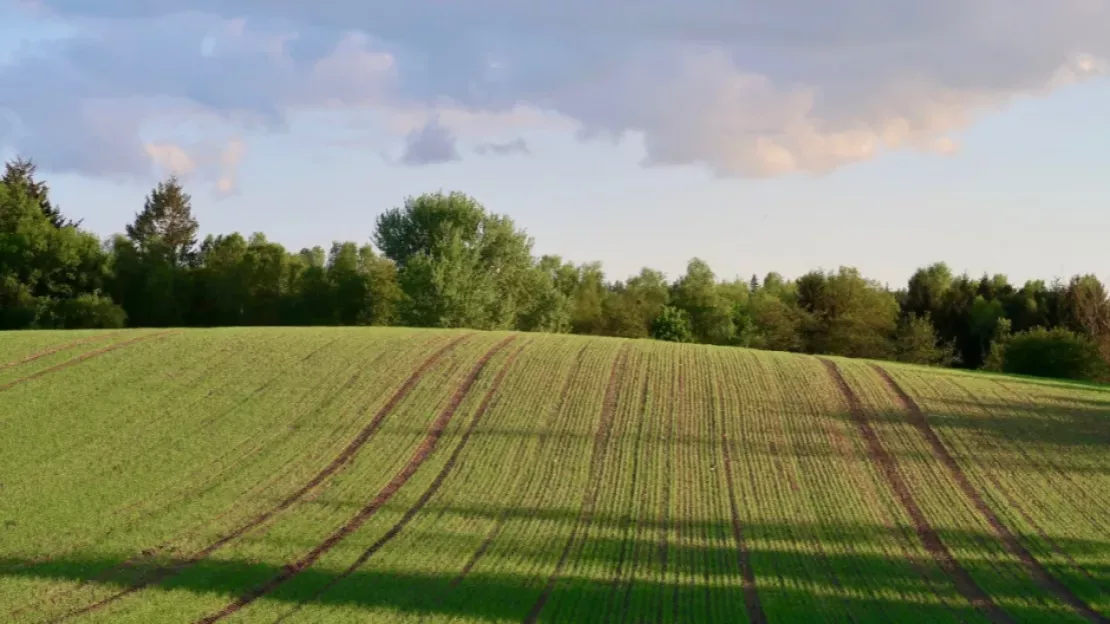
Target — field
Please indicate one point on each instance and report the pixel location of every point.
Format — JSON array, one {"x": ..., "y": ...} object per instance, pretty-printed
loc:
[{"x": 387, "y": 475}]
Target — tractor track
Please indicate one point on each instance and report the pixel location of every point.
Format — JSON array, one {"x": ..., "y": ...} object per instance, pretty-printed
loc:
[
  {"x": 888, "y": 465},
  {"x": 342, "y": 460},
  {"x": 400, "y": 479},
  {"x": 1005, "y": 535}
]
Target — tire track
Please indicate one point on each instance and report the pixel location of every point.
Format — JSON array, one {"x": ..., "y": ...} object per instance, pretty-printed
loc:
[
  {"x": 420, "y": 455},
  {"x": 345, "y": 457},
  {"x": 83, "y": 357},
  {"x": 503, "y": 516},
  {"x": 925, "y": 532},
  {"x": 630, "y": 517},
  {"x": 589, "y": 497},
  {"x": 426, "y": 497},
  {"x": 1044, "y": 462},
  {"x": 1017, "y": 506},
  {"x": 752, "y": 603},
  {"x": 844, "y": 447},
  {"x": 1012, "y": 543},
  {"x": 665, "y": 507},
  {"x": 55, "y": 349}
]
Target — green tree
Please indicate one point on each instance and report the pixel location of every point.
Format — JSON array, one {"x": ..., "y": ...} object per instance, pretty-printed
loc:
[
  {"x": 20, "y": 172},
  {"x": 166, "y": 225},
  {"x": 697, "y": 293},
  {"x": 630, "y": 308},
  {"x": 458, "y": 265},
  {"x": 40, "y": 264},
  {"x": 673, "y": 325},
  {"x": 846, "y": 314},
  {"x": 916, "y": 342},
  {"x": 1057, "y": 353}
]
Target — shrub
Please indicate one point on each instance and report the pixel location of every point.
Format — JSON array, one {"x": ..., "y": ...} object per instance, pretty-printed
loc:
[
  {"x": 672, "y": 325},
  {"x": 1055, "y": 353},
  {"x": 88, "y": 311}
]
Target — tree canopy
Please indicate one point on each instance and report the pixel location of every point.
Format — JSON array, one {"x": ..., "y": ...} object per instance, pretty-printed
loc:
[{"x": 444, "y": 260}]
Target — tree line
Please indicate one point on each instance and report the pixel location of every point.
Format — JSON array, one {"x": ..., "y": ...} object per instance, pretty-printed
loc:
[{"x": 443, "y": 260}]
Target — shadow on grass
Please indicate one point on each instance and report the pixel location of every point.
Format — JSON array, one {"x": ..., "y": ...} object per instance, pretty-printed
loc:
[
  {"x": 1025, "y": 423},
  {"x": 849, "y": 580}
]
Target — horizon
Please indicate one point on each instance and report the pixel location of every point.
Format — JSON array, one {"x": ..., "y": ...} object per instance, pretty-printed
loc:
[{"x": 884, "y": 140}]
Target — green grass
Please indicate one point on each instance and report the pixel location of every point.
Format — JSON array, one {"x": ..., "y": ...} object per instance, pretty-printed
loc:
[{"x": 165, "y": 476}]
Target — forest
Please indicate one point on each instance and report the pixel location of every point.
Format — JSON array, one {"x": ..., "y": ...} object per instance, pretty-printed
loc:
[{"x": 443, "y": 260}]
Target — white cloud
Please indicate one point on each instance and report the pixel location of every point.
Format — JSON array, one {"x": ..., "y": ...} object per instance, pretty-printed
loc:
[{"x": 742, "y": 87}]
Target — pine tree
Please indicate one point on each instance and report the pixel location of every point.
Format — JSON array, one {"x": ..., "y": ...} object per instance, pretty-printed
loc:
[
  {"x": 754, "y": 284},
  {"x": 166, "y": 222},
  {"x": 21, "y": 173}
]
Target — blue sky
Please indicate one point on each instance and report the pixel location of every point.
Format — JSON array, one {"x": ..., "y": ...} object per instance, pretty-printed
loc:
[{"x": 758, "y": 136}]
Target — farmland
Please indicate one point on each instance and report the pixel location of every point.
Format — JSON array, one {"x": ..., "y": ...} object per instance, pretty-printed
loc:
[{"x": 387, "y": 475}]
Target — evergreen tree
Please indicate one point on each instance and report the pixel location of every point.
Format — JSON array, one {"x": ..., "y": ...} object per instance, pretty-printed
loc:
[
  {"x": 166, "y": 223},
  {"x": 21, "y": 172}
]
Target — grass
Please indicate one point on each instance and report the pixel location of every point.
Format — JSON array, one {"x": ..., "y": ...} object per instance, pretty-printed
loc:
[{"x": 354, "y": 475}]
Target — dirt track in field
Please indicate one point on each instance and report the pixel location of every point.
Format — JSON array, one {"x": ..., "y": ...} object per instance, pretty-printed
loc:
[
  {"x": 339, "y": 462},
  {"x": 743, "y": 554},
  {"x": 920, "y": 565},
  {"x": 431, "y": 490},
  {"x": 499, "y": 524},
  {"x": 81, "y": 358},
  {"x": 55, "y": 349},
  {"x": 593, "y": 485},
  {"x": 925, "y": 532},
  {"x": 1013, "y": 544},
  {"x": 400, "y": 479}
]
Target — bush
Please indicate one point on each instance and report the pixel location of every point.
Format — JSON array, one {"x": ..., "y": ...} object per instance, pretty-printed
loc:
[
  {"x": 916, "y": 342},
  {"x": 88, "y": 311},
  {"x": 1040, "y": 352},
  {"x": 672, "y": 325}
]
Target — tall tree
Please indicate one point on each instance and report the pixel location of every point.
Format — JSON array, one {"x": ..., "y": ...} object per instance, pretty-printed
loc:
[
  {"x": 21, "y": 172},
  {"x": 166, "y": 223},
  {"x": 697, "y": 293},
  {"x": 458, "y": 265}
]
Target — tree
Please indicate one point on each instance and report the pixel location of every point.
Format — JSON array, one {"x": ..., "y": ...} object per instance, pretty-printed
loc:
[
  {"x": 673, "y": 325},
  {"x": 40, "y": 264},
  {"x": 630, "y": 308},
  {"x": 926, "y": 290},
  {"x": 916, "y": 342},
  {"x": 846, "y": 314},
  {"x": 21, "y": 172},
  {"x": 458, "y": 266},
  {"x": 1057, "y": 353},
  {"x": 1087, "y": 310},
  {"x": 166, "y": 224},
  {"x": 697, "y": 293}
]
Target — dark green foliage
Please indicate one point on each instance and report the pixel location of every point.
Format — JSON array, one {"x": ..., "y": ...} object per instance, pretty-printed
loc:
[
  {"x": 85, "y": 311},
  {"x": 458, "y": 265},
  {"x": 916, "y": 342},
  {"x": 39, "y": 262},
  {"x": 1058, "y": 353},
  {"x": 699, "y": 295},
  {"x": 445, "y": 261},
  {"x": 166, "y": 228},
  {"x": 672, "y": 325},
  {"x": 21, "y": 173}
]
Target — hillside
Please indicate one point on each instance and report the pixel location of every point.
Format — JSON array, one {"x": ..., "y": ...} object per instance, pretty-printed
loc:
[{"x": 344, "y": 474}]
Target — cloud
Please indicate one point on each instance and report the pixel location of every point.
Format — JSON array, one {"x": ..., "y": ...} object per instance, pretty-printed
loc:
[
  {"x": 517, "y": 146},
  {"x": 429, "y": 145},
  {"x": 741, "y": 87}
]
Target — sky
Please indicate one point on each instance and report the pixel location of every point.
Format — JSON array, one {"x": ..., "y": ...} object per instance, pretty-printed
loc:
[{"x": 758, "y": 135}]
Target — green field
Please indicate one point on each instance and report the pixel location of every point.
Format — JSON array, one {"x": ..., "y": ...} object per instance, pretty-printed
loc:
[{"x": 382, "y": 475}]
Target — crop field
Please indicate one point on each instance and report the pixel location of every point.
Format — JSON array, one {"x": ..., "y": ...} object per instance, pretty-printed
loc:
[{"x": 404, "y": 475}]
